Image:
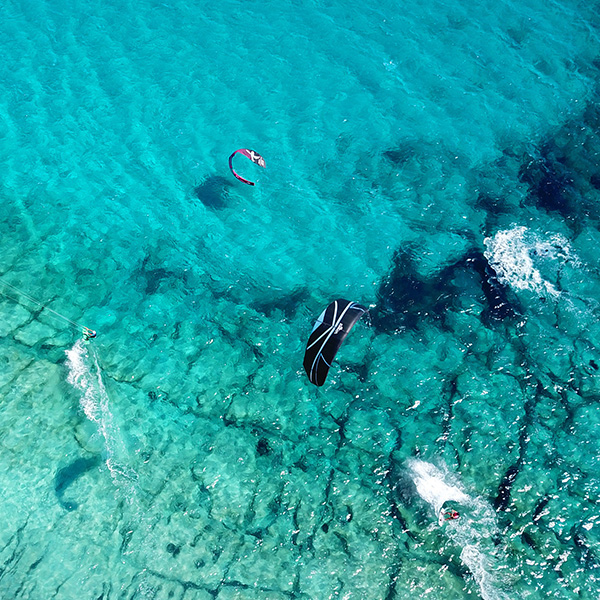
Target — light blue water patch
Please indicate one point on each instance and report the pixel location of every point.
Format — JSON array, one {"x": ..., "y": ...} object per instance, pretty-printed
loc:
[{"x": 434, "y": 161}]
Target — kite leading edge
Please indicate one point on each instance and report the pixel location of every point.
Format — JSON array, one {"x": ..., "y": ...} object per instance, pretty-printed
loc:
[
  {"x": 255, "y": 157},
  {"x": 328, "y": 334}
]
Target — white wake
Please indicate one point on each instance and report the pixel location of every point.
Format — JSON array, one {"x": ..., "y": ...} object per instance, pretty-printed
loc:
[
  {"x": 473, "y": 531},
  {"x": 517, "y": 255},
  {"x": 85, "y": 375}
]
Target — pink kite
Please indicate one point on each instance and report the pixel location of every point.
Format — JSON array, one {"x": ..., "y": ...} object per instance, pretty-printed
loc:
[{"x": 253, "y": 156}]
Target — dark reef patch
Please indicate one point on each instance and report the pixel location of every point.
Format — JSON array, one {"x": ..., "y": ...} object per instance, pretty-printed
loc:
[
  {"x": 503, "y": 497},
  {"x": 263, "y": 447},
  {"x": 154, "y": 277},
  {"x": 401, "y": 155},
  {"x": 405, "y": 298},
  {"x": 287, "y": 304},
  {"x": 550, "y": 182},
  {"x": 539, "y": 509},
  {"x": 173, "y": 550},
  {"x": 150, "y": 277},
  {"x": 493, "y": 205},
  {"x": 563, "y": 175},
  {"x": 361, "y": 370},
  {"x": 595, "y": 181},
  {"x": 496, "y": 294}
]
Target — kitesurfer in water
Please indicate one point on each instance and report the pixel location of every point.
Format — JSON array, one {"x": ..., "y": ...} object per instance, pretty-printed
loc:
[
  {"x": 447, "y": 514},
  {"x": 88, "y": 334}
]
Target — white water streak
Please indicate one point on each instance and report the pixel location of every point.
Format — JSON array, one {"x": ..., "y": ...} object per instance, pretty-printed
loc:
[
  {"x": 473, "y": 531},
  {"x": 85, "y": 376},
  {"x": 516, "y": 253}
]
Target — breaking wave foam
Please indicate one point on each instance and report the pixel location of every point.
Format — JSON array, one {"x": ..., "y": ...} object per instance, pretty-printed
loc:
[{"x": 515, "y": 254}]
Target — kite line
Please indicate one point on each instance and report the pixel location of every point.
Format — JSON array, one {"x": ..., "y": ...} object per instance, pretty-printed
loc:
[{"x": 86, "y": 331}]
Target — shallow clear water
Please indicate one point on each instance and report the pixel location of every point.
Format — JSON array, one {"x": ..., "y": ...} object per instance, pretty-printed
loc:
[{"x": 437, "y": 162}]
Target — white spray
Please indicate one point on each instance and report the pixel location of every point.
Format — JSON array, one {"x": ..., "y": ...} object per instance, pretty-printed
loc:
[
  {"x": 514, "y": 254},
  {"x": 85, "y": 376},
  {"x": 473, "y": 531}
]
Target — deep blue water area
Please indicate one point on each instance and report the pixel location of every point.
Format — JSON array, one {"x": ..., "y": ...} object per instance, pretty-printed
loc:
[{"x": 437, "y": 162}]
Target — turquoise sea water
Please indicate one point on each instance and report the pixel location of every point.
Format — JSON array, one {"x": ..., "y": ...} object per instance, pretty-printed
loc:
[{"x": 425, "y": 159}]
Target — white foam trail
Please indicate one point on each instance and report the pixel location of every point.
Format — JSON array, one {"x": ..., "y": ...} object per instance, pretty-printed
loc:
[
  {"x": 514, "y": 254},
  {"x": 473, "y": 531},
  {"x": 432, "y": 488},
  {"x": 85, "y": 376}
]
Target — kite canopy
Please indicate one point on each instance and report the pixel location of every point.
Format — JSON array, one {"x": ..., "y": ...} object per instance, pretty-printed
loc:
[
  {"x": 255, "y": 157},
  {"x": 328, "y": 334}
]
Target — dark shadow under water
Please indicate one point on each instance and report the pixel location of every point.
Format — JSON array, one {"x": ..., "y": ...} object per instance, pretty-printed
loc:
[
  {"x": 213, "y": 192},
  {"x": 405, "y": 298}
]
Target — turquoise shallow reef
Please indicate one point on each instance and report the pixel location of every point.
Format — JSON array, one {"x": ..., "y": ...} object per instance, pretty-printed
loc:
[{"x": 435, "y": 161}]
